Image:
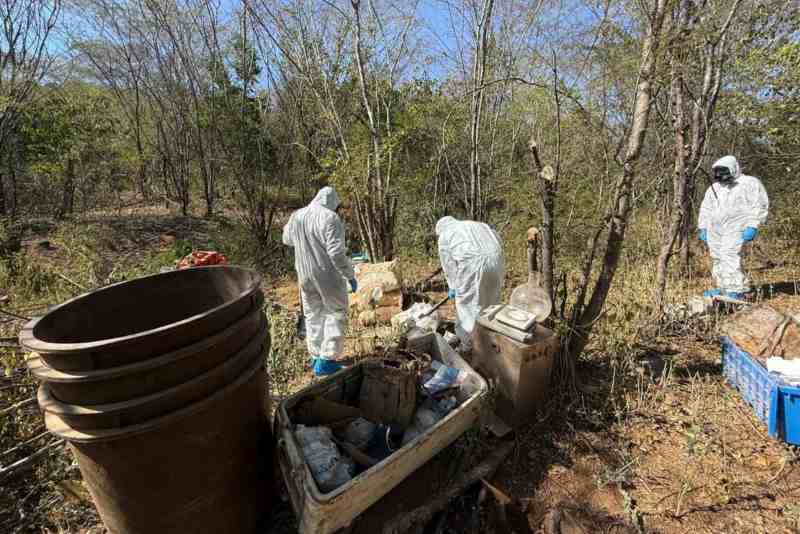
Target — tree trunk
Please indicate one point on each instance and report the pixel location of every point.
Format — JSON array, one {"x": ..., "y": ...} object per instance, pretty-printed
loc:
[
  {"x": 475, "y": 209},
  {"x": 13, "y": 197},
  {"x": 68, "y": 195},
  {"x": 583, "y": 319},
  {"x": 2, "y": 196},
  {"x": 686, "y": 232},
  {"x": 375, "y": 211},
  {"x": 678, "y": 213},
  {"x": 547, "y": 198}
]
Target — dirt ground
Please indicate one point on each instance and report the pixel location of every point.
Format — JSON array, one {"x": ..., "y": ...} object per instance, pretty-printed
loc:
[
  {"x": 650, "y": 441},
  {"x": 666, "y": 448}
]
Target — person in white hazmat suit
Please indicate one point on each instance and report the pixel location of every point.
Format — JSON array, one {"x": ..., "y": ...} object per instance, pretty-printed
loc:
[
  {"x": 732, "y": 210},
  {"x": 472, "y": 261},
  {"x": 323, "y": 270}
]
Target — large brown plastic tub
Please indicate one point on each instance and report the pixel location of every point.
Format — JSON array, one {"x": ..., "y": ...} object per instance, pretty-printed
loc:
[
  {"x": 141, "y": 409},
  {"x": 118, "y": 384},
  {"x": 201, "y": 469},
  {"x": 139, "y": 319}
]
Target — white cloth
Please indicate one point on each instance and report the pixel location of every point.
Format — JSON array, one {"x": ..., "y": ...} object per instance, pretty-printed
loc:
[
  {"x": 472, "y": 260},
  {"x": 788, "y": 369},
  {"x": 317, "y": 234},
  {"x": 727, "y": 209}
]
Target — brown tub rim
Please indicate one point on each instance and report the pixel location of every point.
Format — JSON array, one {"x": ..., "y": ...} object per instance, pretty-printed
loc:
[
  {"x": 34, "y": 344},
  {"x": 39, "y": 368},
  {"x": 57, "y": 426},
  {"x": 48, "y": 403}
]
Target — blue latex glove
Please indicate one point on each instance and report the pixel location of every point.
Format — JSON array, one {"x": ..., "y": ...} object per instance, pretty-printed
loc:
[
  {"x": 323, "y": 367},
  {"x": 353, "y": 285},
  {"x": 703, "y": 236},
  {"x": 749, "y": 233},
  {"x": 451, "y": 294}
]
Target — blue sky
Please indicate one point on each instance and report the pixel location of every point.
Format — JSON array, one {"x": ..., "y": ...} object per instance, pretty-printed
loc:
[{"x": 437, "y": 55}]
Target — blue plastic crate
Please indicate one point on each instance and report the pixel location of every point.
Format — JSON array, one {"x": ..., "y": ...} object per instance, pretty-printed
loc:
[{"x": 775, "y": 402}]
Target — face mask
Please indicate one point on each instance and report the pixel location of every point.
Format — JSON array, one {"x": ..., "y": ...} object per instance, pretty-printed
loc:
[{"x": 722, "y": 174}]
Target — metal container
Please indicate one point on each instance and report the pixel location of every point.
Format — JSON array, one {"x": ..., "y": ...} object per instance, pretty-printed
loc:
[
  {"x": 200, "y": 469},
  {"x": 118, "y": 384},
  {"x": 141, "y": 409},
  {"x": 136, "y": 320},
  {"x": 323, "y": 513},
  {"x": 521, "y": 370}
]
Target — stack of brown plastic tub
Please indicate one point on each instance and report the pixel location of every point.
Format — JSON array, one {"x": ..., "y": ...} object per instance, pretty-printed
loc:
[{"x": 158, "y": 385}]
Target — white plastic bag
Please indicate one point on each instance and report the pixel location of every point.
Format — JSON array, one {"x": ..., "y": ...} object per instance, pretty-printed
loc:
[
  {"x": 329, "y": 467},
  {"x": 413, "y": 317},
  {"x": 359, "y": 433},
  {"x": 431, "y": 412},
  {"x": 444, "y": 377}
]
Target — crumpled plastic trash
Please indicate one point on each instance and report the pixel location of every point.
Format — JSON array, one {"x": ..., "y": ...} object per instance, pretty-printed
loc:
[
  {"x": 427, "y": 415},
  {"x": 444, "y": 377},
  {"x": 451, "y": 339},
  {"x": 413, "y": 317},
  {"x": 198, "y": 258},
  {"x": 328, "y": 466},
  {"x": 359, "y": 433}
]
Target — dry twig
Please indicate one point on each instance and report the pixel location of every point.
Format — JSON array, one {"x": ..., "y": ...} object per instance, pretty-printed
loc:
[
  {"x": 424, "y": 513},
  {"x": 17, "y": 406},
  {"x": 30, "y": 461}
]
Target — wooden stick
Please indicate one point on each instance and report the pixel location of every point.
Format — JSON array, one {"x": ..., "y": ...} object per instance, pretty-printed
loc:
[
  {"x": 430, "y": 277},
  {"x": 30, "y": 461},
  {"x": 729, "y": 300},
  {"x": 360, "y": 458},
  {"x": 436, "y": 307},
  {"x": 424, "y": 513},
  {"x": 76, "y": 284},
  {"x": 24, "y": 443},
  {"x": 423, "y": 284},
  {"x": 20, "y": 404},
  {"x": 11, "y": 314}
]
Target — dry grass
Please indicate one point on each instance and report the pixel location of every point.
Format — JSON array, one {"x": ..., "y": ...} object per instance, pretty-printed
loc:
[{"x": 634, "y": 449}]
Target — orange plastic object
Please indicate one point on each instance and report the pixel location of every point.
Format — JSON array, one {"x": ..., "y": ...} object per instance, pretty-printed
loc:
[{"x": 202, "y": 257}]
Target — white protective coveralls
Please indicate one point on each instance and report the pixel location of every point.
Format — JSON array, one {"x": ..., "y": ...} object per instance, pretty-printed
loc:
[
  {"x": 323, "y": 268},
  {"x": 472, "y": 260},
  {"x": 727, "y": 209}
]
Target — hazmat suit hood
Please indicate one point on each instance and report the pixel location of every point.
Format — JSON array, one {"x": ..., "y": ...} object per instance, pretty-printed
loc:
[
  {"x": 327, "y": 198},
  {"x": 730, "y": 163},
  {"x": 443, "y": 223}
]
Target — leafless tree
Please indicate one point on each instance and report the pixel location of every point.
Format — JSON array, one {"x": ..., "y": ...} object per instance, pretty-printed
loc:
[
  {"x": 607, "y": 242},
  {"x": 27, "y": 26},
  {"x": 109, "y": 39},
  {"x": 693, "y": 92}
]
